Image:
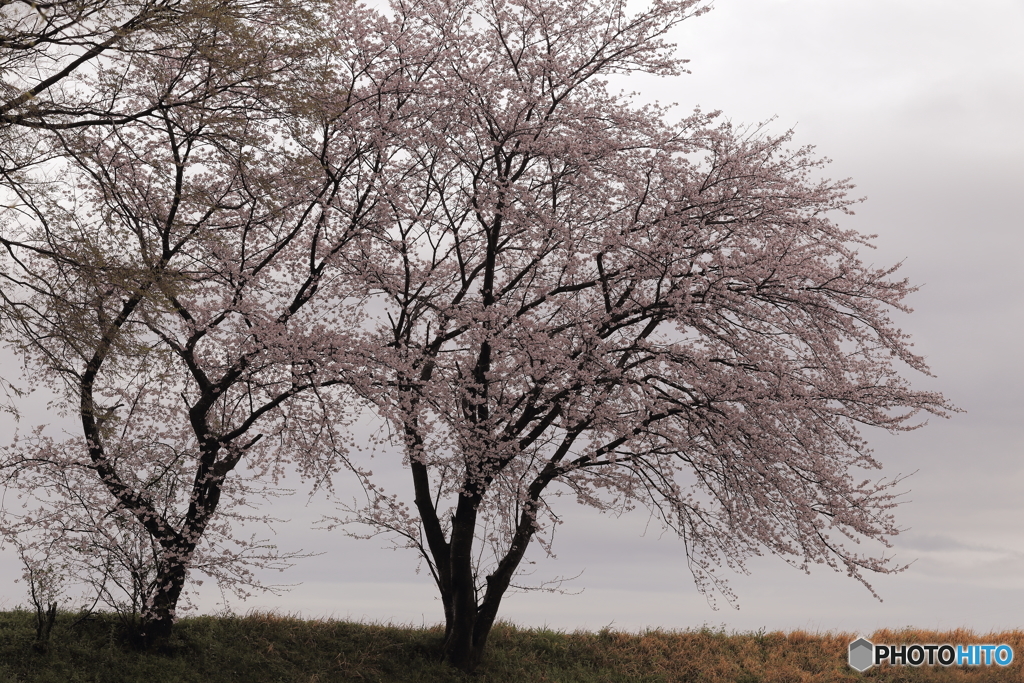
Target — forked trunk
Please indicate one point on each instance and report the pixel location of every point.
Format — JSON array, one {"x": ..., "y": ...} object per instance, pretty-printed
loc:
[
  {"x": 469, "y": 618},
  {"x": 462, "y": 644},
  {"x": 465, "y": 636},
  {"x": 466, "y": 631}
]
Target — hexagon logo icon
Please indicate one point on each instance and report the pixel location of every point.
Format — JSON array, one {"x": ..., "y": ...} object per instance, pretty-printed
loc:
[{"x": 861, "y": 654}]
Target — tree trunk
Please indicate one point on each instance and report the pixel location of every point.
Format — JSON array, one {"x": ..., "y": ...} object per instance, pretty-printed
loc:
[
  {"x": 460, "y": 647},
  {"x": 468, "y": 620},
  {"x": 158, "y": 616},
  {"x": 466, "y": 638},
  {"x": 44, "y": 626},
  {"x": 461, "y": 626},
  {"x": 465, "y": 635}
]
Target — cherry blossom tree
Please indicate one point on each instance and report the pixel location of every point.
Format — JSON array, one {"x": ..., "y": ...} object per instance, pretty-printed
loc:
[
  {"x": 574, "y": 295},
  {"x": 173, "y": 289}
]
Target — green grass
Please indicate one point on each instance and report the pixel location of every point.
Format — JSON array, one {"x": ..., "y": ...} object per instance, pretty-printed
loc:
[{"x": 268, "y": 648}]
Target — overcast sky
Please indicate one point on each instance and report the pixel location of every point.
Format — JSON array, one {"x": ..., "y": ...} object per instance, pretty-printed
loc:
[{"x": 921, "y": 102}]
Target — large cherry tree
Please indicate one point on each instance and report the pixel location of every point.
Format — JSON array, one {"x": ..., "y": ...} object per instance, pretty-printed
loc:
[{"x": 575, "y": 295}]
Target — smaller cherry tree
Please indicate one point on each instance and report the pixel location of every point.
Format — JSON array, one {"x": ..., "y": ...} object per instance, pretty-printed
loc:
[
  {"x": 575, "y": 296},
  {"x": 172, "y": 289}
]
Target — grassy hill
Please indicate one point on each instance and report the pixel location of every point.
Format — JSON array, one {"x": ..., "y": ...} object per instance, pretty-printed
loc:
[{"x": 269, "y": 648}]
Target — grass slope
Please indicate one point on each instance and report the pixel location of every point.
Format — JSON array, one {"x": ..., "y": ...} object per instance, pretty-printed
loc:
[{"x": 267, "y": 648}]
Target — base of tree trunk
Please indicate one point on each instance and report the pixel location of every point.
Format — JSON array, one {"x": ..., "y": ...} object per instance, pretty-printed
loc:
[
  {"x": 44, "y": 626},
  {"x": 155, "y": 633},
  {"x": 463, "y": 650}
]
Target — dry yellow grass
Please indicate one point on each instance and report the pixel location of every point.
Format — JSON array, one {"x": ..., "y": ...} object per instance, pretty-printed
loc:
[{"x": 797, "y": 657}]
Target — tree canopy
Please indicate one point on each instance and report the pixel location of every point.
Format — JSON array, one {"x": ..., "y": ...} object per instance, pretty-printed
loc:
[{"x": 580, "y": 295}]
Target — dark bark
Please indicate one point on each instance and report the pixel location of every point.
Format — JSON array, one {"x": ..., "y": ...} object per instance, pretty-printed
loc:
[
  {"x": 468, "y": 618},
  {"x": 44, "y": 626},
  {"x": 460, "y": 640},
  {"x": 158, "y": 617}
]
